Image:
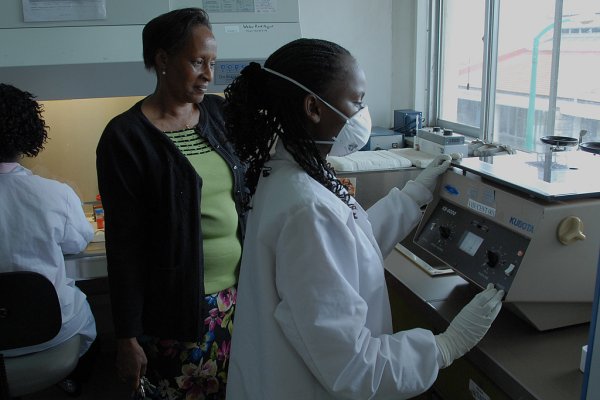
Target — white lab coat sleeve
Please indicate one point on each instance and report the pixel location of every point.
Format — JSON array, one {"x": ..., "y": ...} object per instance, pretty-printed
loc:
[
  {"x": 393, "y": 217},
  {"x": 78, "y": 231},
  {"x": 324, "y": 318}
]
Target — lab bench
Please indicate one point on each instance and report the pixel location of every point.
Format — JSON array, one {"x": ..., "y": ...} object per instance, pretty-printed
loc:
[
  {"x": 88, "y": 269},
  {"x": 513, "y": 360},
  {"x": 89, "y": 264}
]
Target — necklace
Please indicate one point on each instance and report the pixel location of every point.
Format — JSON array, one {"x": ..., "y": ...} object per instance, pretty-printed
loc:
[
  {"x": 190, "y": 125},
  {"x": 187, "y": 125},
  {"x": 167, "y": 117}
]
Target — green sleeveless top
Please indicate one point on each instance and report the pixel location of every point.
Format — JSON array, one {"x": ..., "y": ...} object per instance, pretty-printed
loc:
[{"x": 222, "y": 246}]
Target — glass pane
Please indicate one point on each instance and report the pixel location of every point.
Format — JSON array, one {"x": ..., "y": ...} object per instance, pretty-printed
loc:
[
  {"x": 523, "y": 72},
  {"x": 462, "y": 60},
  {"x": 578, "y": 99}
]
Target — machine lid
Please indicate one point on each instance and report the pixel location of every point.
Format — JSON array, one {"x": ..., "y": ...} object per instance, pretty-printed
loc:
[
  {"x": 559, "y": 140},
  {"x": 590, "y": 147},
  {"x": 544, "y": 176}
]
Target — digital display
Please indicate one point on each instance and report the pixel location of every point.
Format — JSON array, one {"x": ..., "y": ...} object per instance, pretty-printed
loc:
[{"x": 470, "y": 243}]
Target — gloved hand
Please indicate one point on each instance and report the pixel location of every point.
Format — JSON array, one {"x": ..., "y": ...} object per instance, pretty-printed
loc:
[
  {"x": 470, "y": 325},
  {"x": 423, "y": 193},
  {"x": 428, "y": 177}
]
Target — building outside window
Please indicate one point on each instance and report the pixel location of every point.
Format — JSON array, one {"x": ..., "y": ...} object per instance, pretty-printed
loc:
[{"x": 513, "y": 71}]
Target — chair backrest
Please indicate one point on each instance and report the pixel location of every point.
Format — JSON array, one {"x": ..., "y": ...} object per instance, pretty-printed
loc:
[{"x": 29, "y": 310}]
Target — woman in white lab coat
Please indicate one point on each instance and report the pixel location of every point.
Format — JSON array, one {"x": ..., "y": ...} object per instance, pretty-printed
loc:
[
  {"x": 40, "y": 221},
  {"x": 313, "y": 318}
]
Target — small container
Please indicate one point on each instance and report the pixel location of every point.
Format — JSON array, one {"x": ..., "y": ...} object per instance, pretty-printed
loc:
[{"x": 99, "y": 213}]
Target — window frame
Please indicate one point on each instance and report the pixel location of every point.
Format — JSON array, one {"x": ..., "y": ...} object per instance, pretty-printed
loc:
[{"x": 490, "y": 62}]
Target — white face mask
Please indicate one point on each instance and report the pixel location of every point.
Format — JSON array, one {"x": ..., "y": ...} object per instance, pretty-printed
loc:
[{"x": 353, "y": 135}]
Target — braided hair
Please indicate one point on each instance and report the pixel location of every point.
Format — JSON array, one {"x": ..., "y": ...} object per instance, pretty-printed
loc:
[
  {"x": 23, "y": 131},
  {"x": 261, "y": 107}
]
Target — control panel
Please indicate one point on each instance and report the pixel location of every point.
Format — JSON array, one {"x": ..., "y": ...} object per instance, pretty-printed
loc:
[
  {"x": 474, "y": 246},
  {"x": 540, "y": 253}
]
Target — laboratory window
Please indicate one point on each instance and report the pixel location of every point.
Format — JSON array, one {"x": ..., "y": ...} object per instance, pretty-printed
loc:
[{"x": 512, "y": 71}]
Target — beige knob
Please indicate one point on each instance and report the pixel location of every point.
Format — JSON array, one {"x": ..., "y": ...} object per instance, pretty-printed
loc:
[{"x": 570, "y": 230}]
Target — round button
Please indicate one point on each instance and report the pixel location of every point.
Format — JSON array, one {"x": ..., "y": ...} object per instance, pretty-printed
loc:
[{"x": 570, "y": 230}]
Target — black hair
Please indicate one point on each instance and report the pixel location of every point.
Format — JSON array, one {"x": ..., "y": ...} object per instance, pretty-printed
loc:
[
  {"x": 261, "y": 106},
  {"x": 22, "y": 128},
  {"x": 170, "y": 32}
]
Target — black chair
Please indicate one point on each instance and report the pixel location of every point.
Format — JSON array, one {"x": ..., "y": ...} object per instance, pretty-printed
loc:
[{"x": 30, "y": 315}]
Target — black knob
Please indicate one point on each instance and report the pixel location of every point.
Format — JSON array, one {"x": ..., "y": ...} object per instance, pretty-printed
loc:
[
  {"x": 447, "y": 132},
  {"x": 492, "y": 258},
  {"x": 445, "y": 231}
]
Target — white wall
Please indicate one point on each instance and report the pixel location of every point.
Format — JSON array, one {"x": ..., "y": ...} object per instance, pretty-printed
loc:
[
  {"x": 409, "y": 54},
  {"x": 382, "y": 35},
  {"x": 365, "y": 29}
]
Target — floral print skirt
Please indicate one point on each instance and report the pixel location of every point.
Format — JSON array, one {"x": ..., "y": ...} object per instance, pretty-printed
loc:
[{"x": 194, "y": 370}]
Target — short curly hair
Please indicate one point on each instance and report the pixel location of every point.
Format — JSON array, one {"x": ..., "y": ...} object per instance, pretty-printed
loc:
[
  {"x": 170, "y": 32},
  {"x": 23, "y": 131}
]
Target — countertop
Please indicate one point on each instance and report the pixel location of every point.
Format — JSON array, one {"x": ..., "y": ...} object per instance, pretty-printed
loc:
[
  {"x": 524, "y": 362},
  {"x": 93, "y": 249},
  {"x": 89, "y": 264}
]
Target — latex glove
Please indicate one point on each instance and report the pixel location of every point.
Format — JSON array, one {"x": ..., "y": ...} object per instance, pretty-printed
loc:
[
  {"x": 470, "y": 325},
  {"x": 456, "y": 156},
  {"x": 428, "y": 177},
  {"x": 422, "y": 192}
]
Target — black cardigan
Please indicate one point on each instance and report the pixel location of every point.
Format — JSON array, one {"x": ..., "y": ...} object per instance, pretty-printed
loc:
[{"x": 151, "y": 198}]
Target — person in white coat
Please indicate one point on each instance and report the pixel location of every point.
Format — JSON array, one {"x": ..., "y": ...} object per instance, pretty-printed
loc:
[
  {"x": 40, "y": 221},
  {"x": 313, "y": 318}
]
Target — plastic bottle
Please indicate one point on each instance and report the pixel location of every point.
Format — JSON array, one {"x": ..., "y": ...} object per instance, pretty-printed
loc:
[{"x": 99, "y": 213}]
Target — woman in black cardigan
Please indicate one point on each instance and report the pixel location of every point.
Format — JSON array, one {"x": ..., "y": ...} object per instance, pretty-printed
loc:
[{"x": 171, "y": 187}]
